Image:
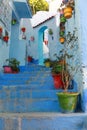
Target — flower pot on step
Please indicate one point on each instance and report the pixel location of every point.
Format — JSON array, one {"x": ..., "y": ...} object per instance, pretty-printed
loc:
[
  {"x": 7, "y": 69},
  {"x": 57, "y": 81},
  {"x": 68, "y": 101}
]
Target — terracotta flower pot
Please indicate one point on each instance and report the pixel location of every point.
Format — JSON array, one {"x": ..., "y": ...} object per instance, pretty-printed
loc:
[
  {"x": 62, "y": 40},
  {"x": 23, "y": 29},
  {"x": 6, "y": 38},
  {"x": 57, "y": 81},
  {"x": 68, "y": 12}
]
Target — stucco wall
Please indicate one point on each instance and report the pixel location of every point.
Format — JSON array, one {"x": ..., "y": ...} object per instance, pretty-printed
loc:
[
  {"x": 53, "y": 44},
  {"x": 5, "y": 23},
  {"x": 83, "y": 43},
  {"x": 18, "y": 45}
]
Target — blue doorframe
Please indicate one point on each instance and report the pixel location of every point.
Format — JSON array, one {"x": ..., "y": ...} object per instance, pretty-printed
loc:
[{"x": 40, "y": 44}]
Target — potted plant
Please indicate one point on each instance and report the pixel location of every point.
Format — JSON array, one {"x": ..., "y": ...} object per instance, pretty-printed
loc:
[
  {"x": 50, "y": 31},
  {"x": 68, "y": 100},
  {"x": 13, "y": 21},
  {"x": 47, "y": 62},
  {"x": 57, "y": 67},
  {"x": 29, "y": 58},
  {"x": 12, "y": 66}
]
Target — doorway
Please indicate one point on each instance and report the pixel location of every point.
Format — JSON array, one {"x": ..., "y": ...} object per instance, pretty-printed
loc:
[{"x": 43, "y": 49}]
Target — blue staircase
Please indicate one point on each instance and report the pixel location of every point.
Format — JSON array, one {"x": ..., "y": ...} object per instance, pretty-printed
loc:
[
  {"x": 28, "y": 101},
  {"x": 31, "y": 90}
]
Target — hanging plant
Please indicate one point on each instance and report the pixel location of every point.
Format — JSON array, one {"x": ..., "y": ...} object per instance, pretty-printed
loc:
[
  {"x": 13, "y": 22},
  {"x": 62, "y": 19},
  {"x": 50, "y": 31},
  {"x": 6, "y": 38},
  {"x": 61, "y": 33}
]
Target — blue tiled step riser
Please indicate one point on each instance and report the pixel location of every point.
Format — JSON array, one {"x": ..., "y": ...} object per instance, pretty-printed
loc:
[
  {"x": 12, "y": 100},
  {"x": 28, "y": 87},
  {"x": 32, "y": 94},
  {"x": 25, "y": 105}
]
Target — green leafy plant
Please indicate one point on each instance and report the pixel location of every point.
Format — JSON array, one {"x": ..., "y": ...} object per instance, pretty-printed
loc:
[
  {"x": 47, "y": 62},
  {"x": 69, "y": 70},
  {"x": 50, "y": 31},
  {"x": 14, "y": 63}
]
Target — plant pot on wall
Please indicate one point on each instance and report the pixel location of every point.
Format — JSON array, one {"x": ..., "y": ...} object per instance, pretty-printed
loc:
[
  {"x": 68, "y": 12},
  {"x": 61, "y": 33},
  {"x": 14, "y": 21},
  {"x": 6, "y": 38},
  {"x": 29, "y": 59},
  {"x": 62, "y": 19},
  {"x": 62, "y": 40}
]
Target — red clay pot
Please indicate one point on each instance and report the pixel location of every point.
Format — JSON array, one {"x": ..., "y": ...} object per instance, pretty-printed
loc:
[
  {"x": 23, "y": 29},
  {"x": 7, "y": 69},
  {"x": 6, "y": 38},
  {"x": 57, "y": 81},
  {"x": 29, "y": 58}
]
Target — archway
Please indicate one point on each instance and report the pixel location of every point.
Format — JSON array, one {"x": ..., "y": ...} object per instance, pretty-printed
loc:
[{"x": 40, "y": 44}]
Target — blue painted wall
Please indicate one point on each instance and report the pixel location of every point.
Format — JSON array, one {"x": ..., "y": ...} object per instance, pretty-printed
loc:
[
  {"x": 18, "y": 45},
  {"x": 83, "y": 43},
  {"x": 5, "y": 23}
]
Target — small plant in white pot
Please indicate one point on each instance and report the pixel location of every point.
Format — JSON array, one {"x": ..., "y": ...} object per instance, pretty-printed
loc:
[{"x": 68, "y": 100}]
